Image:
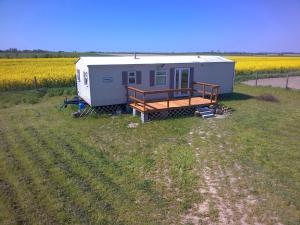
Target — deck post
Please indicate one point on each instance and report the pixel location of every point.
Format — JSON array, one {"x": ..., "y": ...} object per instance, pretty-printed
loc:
[
  {"x": 133, "y": 112},
  {"x": 144, "y": 117},
  {"x": 144, "y": 105},
  {"x": 203, "y": 90},
  {"x": 211, "y": 94},
  {"x": 215, "y": 93},
  {"x": 216, "y": 97}
]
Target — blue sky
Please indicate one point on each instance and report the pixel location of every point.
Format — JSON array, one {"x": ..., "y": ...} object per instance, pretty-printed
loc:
[{"x": 154, "y": 25}]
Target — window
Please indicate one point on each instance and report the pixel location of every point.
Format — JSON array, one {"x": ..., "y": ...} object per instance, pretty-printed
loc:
[
  {"x": 160, "y": 78},
  {"x": 78, "y": 75},
  {"x": 132, "y": 77},
  {"x": 85, "y": 78}
]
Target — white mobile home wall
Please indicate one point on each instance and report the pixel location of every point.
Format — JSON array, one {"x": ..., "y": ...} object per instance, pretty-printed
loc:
[
  {"x": 99, "y": 92},
  {"x": 83, "y": 90}
]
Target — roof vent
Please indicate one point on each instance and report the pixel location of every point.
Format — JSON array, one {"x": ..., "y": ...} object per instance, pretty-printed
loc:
[{"x": 135, "y": 55}]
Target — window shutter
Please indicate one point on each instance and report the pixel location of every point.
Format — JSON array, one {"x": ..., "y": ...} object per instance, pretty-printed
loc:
[
  {"x": 138, "y": 77},
  {"x": 191, "y": 76},
  {"x": 78, "y": 75},
  {"x": 152, "y": 78},
  {"x": 172, "y": 73},
  {"x": 124, "y": 77}
]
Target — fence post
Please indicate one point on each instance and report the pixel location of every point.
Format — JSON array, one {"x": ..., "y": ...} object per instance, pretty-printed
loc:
[
  {"x": 287, "y": 81},
  {"x": 35, "y": 82},
  {"x": 256, "y": 80}
]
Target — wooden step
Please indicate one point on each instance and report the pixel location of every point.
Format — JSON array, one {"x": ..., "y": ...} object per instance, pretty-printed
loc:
[
  {"x": 205, "y": 112},
  {"x": 208, "y": 115}
]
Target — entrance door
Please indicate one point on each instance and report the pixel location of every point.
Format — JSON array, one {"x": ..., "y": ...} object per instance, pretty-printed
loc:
[{"x": 181, "y": 80}]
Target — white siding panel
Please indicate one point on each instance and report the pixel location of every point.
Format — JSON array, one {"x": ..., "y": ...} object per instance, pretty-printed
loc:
[
  {"x": 83, "y": 90},
  {"x": 216, "y": 73},
  {"x": 103, "y": 92}
]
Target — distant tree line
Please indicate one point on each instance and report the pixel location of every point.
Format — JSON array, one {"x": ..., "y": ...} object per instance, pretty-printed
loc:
[
  {"x": 35, "y": 53},
  {"x": 39, "y": 53}
]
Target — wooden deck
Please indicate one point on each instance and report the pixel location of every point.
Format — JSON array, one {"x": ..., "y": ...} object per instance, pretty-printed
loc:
[
  {"x": 206, "y": 94},
  {"x": 162, "y": 105}
]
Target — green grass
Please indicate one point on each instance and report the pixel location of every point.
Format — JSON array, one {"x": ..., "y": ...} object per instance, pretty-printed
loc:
[
  {"x": 9, "y": 99},
  {"x": 58, "y": 170}
]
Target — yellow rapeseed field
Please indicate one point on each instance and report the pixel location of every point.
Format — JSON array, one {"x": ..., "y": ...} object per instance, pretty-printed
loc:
[
  {"x": 250, "y": 64},
  {"x": 57, "y": 72},
  {"x": 50, "y": 72}
]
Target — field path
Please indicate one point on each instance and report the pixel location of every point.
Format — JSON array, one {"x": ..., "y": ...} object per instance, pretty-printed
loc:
[{"x": 228, "y": 199}]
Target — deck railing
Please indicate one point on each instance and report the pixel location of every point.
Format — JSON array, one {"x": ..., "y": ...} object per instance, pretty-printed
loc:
[
  {"x": 136, "y": 95},
  {"x": 213, "y": 91}
]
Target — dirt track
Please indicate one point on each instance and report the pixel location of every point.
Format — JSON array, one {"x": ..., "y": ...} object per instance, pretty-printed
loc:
[{"x": 294, "y": 82}]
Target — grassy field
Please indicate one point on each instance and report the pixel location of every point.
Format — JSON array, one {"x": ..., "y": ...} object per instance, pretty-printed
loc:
[
  {"x": 59, "y": 72},
  {"x": 58, "y": 170}
]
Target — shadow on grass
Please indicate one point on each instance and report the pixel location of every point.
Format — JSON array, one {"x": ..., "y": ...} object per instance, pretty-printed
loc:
[{"x": 234, "y": 97}]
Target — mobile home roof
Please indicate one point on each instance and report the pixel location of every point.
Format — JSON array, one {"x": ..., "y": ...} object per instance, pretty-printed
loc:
[{"x": 131, "y": 60}]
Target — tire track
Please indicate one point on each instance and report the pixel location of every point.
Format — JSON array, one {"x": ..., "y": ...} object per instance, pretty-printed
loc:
[
  {"x": 83, "y": 209},
  {"x": 96, "y": 178},
  {"x": 7, "y": 192},
  {"x": 94, "y": 159},
  {"x": 53, "y": 177},
  {"x": 98, "y": 160},
  {"x": 24, "y": 183}
]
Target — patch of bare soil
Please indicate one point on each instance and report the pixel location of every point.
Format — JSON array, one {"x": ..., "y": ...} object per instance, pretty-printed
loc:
[
  {"x": 228, "y": 198},
  {"x": 293, "y": 82},
  {"x": 225, "y": 202}
]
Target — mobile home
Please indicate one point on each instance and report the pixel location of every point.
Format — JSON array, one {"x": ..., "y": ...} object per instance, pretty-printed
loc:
[{"x": 103, "y": 81}]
